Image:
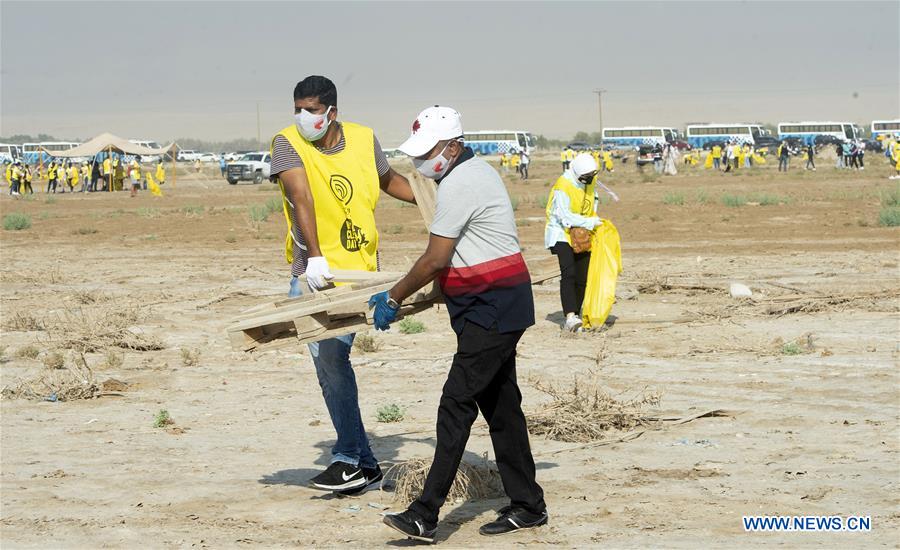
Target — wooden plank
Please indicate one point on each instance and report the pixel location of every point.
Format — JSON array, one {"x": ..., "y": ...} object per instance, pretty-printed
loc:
[{"x": 425, "y": 191}]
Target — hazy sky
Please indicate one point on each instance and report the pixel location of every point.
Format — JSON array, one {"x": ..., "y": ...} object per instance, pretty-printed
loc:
[{"x": 163, "y": 70}]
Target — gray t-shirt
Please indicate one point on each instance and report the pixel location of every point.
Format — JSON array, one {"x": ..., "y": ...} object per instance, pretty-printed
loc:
[{"x": 487, "y": 281}]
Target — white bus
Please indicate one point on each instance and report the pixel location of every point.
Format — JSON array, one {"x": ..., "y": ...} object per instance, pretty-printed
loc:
[
  {"x": 630, "y": 137},
  {"x": 704, "y": 136},
  {"x": 497, "y": 142},
  {"x": 9, "y": 152},
  {"x": 807, "y": 132},
  {"x": 885, "y": 128},
  {"x": 31, "y": 151}
]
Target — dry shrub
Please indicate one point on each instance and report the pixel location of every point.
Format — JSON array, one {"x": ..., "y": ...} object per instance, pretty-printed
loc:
[
  {"x": 788, "y": 304},
  {"x": 190, "y": 358},
  {"x": 113, "y": 360},
  {"x": 86, "y": 297},
  {"x": 74, "y": 382},
  {"x": 55, "y": 360},
  {"x": 472, "y": 481},
  {"x": 584, "y": 411},
  {"x": 28, "y": 352},
  {"x": 22, "y": 321},
  {"x": 108, "y": 326}
]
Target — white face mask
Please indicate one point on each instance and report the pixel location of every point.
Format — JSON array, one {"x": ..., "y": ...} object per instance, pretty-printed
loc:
[
  {"x": 311, "y": 126},
  {"x": 433, "y": 168}
]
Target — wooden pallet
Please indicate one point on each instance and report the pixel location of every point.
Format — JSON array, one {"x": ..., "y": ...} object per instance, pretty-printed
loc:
[{"x": 343, "y": 309}]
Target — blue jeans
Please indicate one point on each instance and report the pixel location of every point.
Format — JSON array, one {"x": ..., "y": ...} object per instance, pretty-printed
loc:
[{"x": 331, "y": 358}]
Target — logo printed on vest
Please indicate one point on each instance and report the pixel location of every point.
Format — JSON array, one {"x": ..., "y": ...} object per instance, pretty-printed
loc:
[
  {"x": 352, "y": 236},
  {"x": 341, "y": 188}
]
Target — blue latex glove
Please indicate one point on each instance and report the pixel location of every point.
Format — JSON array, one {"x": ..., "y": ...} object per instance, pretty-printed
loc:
[{"x": 384, "y": 314}]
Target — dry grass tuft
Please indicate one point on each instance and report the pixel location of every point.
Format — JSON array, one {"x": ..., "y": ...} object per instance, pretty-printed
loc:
[
  {"x": 473, "y": 481},
  {"x": 585, "y": 412}
]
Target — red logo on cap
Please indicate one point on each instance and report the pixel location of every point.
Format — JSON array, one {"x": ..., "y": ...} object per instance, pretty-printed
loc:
[
  {"x": 318, "y": 125},
  {"x": 416, "y": 126}
]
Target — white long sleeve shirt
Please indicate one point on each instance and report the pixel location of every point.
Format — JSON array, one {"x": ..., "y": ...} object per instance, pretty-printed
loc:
[{"x": 561, "y": 215}]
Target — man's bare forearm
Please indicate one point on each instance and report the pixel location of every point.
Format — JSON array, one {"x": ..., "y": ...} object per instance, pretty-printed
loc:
[{"x": 423, "y": 272}]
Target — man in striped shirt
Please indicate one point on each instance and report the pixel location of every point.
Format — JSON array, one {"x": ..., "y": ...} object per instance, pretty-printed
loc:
[
  {"x": 331, "y": 175},
  {"x": 474, "y": 252}
]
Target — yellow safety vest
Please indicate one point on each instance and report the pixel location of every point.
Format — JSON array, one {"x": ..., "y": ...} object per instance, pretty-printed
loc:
[
  {"x": 73, "y": 175},
  {"x": 570, "y": 154},
  {"x": 716, "y": 151},
  {"x": 160, "y": 173},
  {"x": 580, "y": 202},
  {"x": 106, "y": 166},
  {"x": 345, "y": 190},
  {"x": 9, "y": 173},
  {"x": 563, "y": 156}
]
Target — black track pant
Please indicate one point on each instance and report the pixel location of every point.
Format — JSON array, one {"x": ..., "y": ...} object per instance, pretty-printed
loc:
[
  {"x": 574, "y": 271},
  {"x": 483, "y": 376}
]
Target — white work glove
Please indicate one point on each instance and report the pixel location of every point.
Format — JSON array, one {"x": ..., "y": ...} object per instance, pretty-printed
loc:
[{"x": 318, "y": 274}]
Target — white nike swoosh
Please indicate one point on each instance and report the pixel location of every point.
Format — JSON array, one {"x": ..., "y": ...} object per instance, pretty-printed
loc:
[{"x": 346, "y": 477}]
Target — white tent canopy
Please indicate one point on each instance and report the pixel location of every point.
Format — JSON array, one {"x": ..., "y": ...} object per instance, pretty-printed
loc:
[{"x": 107, "y": 142}]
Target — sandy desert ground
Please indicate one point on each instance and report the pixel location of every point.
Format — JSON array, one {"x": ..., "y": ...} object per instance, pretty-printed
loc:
[{"x": 814, "y": 394}]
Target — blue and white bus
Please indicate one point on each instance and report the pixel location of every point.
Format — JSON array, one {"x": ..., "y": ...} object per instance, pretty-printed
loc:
[
  {"x": 31, "y": 152},
  {"x": 500, "y": 141},
  {"x": 885, "y": 128},
  {"x": 630, "y": 137},
  {"x": 808, "y": 131},
  {"x": 704, "y": 136},
  {"x": 9, "y": 152}
]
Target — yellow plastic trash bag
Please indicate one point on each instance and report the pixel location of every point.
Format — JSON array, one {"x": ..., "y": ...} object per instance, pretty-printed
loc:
[
  {"x": 758, "y": 159},
  {"x": 605, "y": 266},
  {"x": 153, "y": 186},
  {"x": 709, "y": 161}
]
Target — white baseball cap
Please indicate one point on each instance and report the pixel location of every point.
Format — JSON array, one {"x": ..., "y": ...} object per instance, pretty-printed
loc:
[
  {"x": 583, "y": 164},
  {"x": 431, "y": 126}
]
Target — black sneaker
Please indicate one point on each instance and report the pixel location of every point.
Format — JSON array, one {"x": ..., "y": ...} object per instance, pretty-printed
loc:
[
  {"x": 412, "y": 525},
  {"x": 372, "y": 475},
  {"x": 340, "y": 476},
  {"x": 511, "y": 519}
]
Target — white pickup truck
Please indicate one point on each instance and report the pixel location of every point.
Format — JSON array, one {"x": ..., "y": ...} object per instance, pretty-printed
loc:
[{"x": 253, "y": 167}]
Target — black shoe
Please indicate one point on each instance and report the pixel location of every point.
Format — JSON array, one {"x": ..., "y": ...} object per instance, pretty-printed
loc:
[
  {"x": 340, "y": 476},
  {"x": 372, "y": 475},
  {"x": 511, "y": 519},
  {"x": 412, "y": 525}
]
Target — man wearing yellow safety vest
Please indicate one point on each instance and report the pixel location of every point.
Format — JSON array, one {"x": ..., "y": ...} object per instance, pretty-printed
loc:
[
  {"x": 331, "y": 174},
  {"x": 572, "y": 204},
  {"x": 52, "y": 176},
  {"x": 107, "y": 174}
]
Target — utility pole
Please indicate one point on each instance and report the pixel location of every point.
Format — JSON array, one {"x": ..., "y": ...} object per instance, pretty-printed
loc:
[
  {"x": 600, "y": 111},
  {"x": 258, "y": 134}
]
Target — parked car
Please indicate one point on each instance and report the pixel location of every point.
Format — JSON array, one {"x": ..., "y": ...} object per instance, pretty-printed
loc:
[
  {"x": 681, "y": 145},
  {"x": 187, "y": 155},
  {"x": 578, "y": 146},
  {"x": 208, "y": 157},
  {"x": 644, "y": 155},
  {"x": 771, "y": 142},
  {"x": 824, "y": 139},
  {"x": 873, "y": 145},
  {"x": 230, "y": 157},
  {"x": 253, "y": 167}
]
